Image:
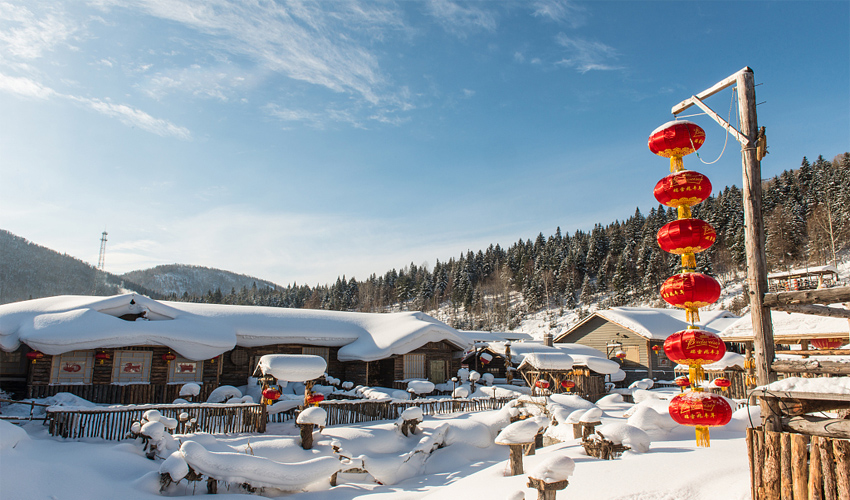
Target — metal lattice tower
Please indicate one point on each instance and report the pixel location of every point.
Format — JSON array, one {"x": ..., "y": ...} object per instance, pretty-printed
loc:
[{"x": 102, "y": 256}]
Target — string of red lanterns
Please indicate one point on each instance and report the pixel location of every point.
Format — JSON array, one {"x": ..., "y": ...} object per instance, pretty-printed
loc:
[{"x": 689, "y": 289}]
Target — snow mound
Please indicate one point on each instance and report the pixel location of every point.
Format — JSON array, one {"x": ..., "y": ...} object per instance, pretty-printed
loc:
[
  {"x": 223, "y": 393},
  {"x": 648, "y": 419},
  {"x": 591, "y": 415},
  {"x": 571, "y": 401},
  {"x": 554, "y": 469},
  {"x": 412, "y": 413},
  {"x": 313, "y": 415},
  {"x": 190, "y": 389},
  {"x": 746, "y": 416},
  {"x": 293, "y": 367},
  {"x": 610, "y": 399},
  {"x": 645, "y": 384},
  {"x": 519, "y": 432},
  {"x": 627, "y": 435},
  {"x": 11, "y": 435},
  {"x": 420, "y": 386}
]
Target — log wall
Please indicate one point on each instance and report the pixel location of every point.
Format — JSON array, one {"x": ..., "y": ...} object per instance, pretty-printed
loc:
[{"x": 790, "y": 466}]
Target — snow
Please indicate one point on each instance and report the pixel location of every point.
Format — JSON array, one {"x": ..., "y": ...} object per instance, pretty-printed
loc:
[
  {"x": 553, "y": 469},
  {"x": 223, "y": 393},
  {"x": 547, "y": 361},
  {"x": 11, "y": 435},
  {"x": 420, "y": 386},
  {"x": 520, "y": 432},
  {"x": 412, "y": 413},
  {"x": 190, "y": 389},
  {"x": 451, "y": 456},
  {"x": 831, "y": 385},
  {"x": 658, "y": 324},
  {"x": 293, "y": 367},
  {"x": 55, "y": 325},
  {"x": 790, "y": 326},
  {"x": 313, "y": 415}
]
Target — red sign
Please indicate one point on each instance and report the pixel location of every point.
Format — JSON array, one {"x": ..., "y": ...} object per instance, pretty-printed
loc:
[
  {"x": 71, "y": 367},
  {"x": 186, "y": 367},
  {"x": 131, "y": 368}
]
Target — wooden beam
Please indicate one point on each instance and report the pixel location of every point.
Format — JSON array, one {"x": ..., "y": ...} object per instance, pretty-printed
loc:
[
  {"x": 818, "y": 352},
  {"x": 822, "y": 296},
  {"x": 800, "y": 395},
  {"x": 705, "y": 94},
  {"x": 814, "y": 310},
  {"x": 720, "y": 121},
  {"x": 810, "y": 366},
  {"x": 818, "y": 426}
]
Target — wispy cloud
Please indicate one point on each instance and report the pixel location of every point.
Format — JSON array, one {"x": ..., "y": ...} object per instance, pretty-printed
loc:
[
  {"x": 561, "y": 11},
  {"x": 27, "y": 35},
  {"x": 461, "y": 20},
  {"x": 130, "y": 116},
  {"x": 584, "y": 55}
]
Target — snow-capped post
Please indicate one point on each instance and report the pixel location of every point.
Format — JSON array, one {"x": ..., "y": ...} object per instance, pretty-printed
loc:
[
  {"x": 509, "y": 366},
  {"x": 294, "y": 368},
  {"x": 473, "y": 377},
  {"x": 550, "y": 476},
  {"x": 517, "y": 436},
  {"x": 409, "y": 419},
  {"x": 307, "y": 420}
]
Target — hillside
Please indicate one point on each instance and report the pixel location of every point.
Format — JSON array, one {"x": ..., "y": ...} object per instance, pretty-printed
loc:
[{"x": 178, "y": 279}]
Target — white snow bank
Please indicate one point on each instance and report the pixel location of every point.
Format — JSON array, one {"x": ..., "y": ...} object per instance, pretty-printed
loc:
[
  {"x": 420, "y": 386},
  {"x": 239, "y": 468},
  {"x": 610, "y": 399},
  {"x": 644, "y": 384},
  {"x": 746, "y": 416},
  {"x": 283, "y": 405},
  {"x": 571, "y": 401},
  {"x": 648, "y": 419},
  {"x": 190, "y": 389},
  {"x": 591, "y": 415},
  {"x": 293, "y": 367},
  {"x": 223, "y": 393},
  {"x": 11, "y": 435}
]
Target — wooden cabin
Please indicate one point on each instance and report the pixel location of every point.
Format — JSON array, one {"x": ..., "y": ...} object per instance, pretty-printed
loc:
[
  {"x": 130, "y": 349},
  {"x": 637, "y": 335},
  {"x": 808, "y": 278}
]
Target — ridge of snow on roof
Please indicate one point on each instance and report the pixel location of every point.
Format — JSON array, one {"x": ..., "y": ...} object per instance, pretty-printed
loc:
[
  {"x": 796, "y": 324},
  {"x": 658, "y": 323},
  {"x": 55, "y": 325},
  {"x": 804, "y": 271}
]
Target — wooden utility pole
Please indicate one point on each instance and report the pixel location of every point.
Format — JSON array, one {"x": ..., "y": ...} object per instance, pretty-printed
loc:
[{"x": 751, "y": 155}]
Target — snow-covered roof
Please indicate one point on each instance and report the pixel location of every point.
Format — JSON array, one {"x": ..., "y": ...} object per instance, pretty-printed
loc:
[
  {"x": 481, "y": 336},
  {"x": 658, "y": 324},
  {"x": 789, "y": 327},
  {"x": 56, "y": 325},
  {"x": 581, "y": 355},
  {"x": 804, "y": 272},
  {"x": 547, "y": 361}
]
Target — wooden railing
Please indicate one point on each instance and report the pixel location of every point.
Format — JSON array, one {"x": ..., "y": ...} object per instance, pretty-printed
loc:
[
  {"x": 352, "y": 412},
  {"x": 113, "y": 423},
  {"x": 32, "y": 406}
]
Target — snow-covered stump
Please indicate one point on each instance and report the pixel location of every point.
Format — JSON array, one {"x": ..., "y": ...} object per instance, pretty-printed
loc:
[
  {"x": 307, "y": 420},
  {"x": 409, "y": 419},
  {"x": 517, "y": 436},
  {"x": 600, "y": 447},
  {"x": 550, "y": 476}
]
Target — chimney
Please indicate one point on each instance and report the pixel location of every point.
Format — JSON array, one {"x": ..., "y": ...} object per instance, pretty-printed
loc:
[{"x": 547, "y": 339}]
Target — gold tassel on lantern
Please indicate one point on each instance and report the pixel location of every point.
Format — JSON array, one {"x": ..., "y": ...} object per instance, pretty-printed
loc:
[
  {"x": 696, "y": 374},
  {"x": 692, "y": 315},
  {"x": 684, "y": 212},
  {"x": 703, "y": 438},
  {"x": 689, "y": 261},
  {"x": 676, "y": 164}
]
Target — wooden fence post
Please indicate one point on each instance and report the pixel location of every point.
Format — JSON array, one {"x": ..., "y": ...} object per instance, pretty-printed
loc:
[
  {"x": 786, "y": 489},
  {"x": 799, "y": 463},
  {"x": 842, "y": 467},
  {"x": 772, "y": 476},
  {"x": 815, "y": 473},
  {"x": 827, "y": 462}
]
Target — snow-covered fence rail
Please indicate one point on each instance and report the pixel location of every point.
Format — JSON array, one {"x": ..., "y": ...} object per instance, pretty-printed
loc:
[
  {"x": 32, "y": 406},
  {"x": 114, "y": 422},
  {"x": 351, "y": 412}
]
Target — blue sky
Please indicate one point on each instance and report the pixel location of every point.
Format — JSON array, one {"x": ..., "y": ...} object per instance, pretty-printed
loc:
[{"x": 299, "y": 141}]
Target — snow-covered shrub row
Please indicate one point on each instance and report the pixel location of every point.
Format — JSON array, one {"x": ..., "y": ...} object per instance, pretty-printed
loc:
[{"x": 151, "y": 436}]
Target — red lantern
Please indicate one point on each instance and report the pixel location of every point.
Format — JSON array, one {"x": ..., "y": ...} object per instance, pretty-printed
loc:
[
  {"x": 568, "y": 384},
  {"x": 676, "y": 139},
  {"x": 722, "y": 382},
  {"x": 701, "y": 410},
  {"x": 656, "y": 348},
  {"x": 271, "y": 394},
  {"x": 694, "y": 347},
  {"x": 101, "y": 357},
  {"x": 314, "y": 399},
  {"x": 683, "y": 190},
  {"x": 620, "y": 355},
  {"x": 826, "y": 343},
  {"x": 690, "y": 291},
  {"x": 168, "y": 358},
  {"x": 685, "y": 237},
  {"x": 35, "y": 356},
  {"x": 682, "y": 382},
  {"x": 543, "y": 384}
]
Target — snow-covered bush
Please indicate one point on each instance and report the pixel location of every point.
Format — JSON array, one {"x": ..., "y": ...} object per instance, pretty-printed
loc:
[
  {"x": 420, "y": 386},
  {"x": 191, "y": 389},
  {"x": 151, "y": 434},
  {"x": 488, "y": 378},
  {"x": 627, "y": 435}
]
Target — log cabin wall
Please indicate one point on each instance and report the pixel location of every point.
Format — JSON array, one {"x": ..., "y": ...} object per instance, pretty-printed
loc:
[
  {"x": 102, "y": 390},
  {"x": 239, "y": 364},
  {"x": 433, "y": 351}
]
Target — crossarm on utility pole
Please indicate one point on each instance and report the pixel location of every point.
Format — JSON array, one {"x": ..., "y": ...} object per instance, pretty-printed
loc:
[
  {"x": 717, "y": 87},
  {"x": 729, "y": 128}
]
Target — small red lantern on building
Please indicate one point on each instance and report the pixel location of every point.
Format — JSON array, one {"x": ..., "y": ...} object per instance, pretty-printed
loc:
[
  {"x": 168, "y": 358},
  {"x": 682, "y": 382},
  {"x": 826, "y": 343},
  {"x": 620, "y": 354},
  {"x": 656, "y": 348},
  {"x": 722, "y": 382},
  {"x": 683, "y": 190},
  {"x": 676, "y": 139},
  {"x": 543, "y": 384},
  {"x": 271, "y": 394},
  {"x": 35, "y": 356},
  {"x": 101, "y": 357},
  {"x": 701, "y": 410},
  {"x": 690, "y": 291},
  {"x": 568, "y": 385},
  {"x": 685, "y": 237}
]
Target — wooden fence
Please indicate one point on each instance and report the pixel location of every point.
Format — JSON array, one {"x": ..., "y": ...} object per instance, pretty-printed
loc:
[
  {"x": 113, "y": 423},
  {"x": 118, "y": 394},
  {"x": 791, "y": 466}
]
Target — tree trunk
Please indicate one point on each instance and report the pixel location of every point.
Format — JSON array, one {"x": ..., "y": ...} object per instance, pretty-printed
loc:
[{"x": 306, "y": 436}]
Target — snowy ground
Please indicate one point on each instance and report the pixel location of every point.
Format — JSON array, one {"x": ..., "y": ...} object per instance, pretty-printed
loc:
[{"x": 469, "y": 465}]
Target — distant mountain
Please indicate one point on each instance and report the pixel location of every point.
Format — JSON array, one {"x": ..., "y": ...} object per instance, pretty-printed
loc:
[
  {"x": 31, "y": 271},
  {"x": 179, "y": 279}
]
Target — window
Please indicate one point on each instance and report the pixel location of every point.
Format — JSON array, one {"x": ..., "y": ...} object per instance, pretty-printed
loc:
[
  {"x": 72, "y": 368},
  {"x": 132, "y": 367},
  {"x": 182, "y": 371},
  {"x": 414, "y": 366},
  {"x": 317, "y": 351}
]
